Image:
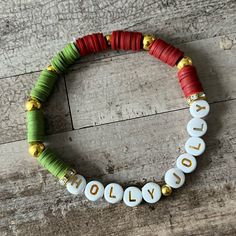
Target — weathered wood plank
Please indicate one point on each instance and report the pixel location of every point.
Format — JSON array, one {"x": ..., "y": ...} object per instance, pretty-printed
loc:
[
  {"x": 33, "y": 31},
  {"x": 135, "y": 85},
  {"x": 130, "y": 152},
  {"x": 13, "y": 94},
  {"x": 105, "y": 90}
]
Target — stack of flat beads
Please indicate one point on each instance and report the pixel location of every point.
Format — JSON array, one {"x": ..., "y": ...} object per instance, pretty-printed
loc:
[{"x": 94, "y": 190}]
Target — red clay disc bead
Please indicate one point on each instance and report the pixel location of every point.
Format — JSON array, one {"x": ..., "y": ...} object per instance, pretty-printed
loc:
[
  {"x": 122, "y": 41},
  {"x": 80, "y": 45},
  {"x": 96, "y": 43},
  {"x": 157, "y": 48},
  {"x": 113, "y": 38},
  {"x": 189, "y": 81},
  {"x": 126, "y": 40},
  {"x": 139, "y": 37},
  {"x": 133, "y": 42},
  {"x": 91, "y": 44},
  {"x": 165, "y": 52},
  {"x": 102, "y": 41},
  {"x": 118, "y": 40}
]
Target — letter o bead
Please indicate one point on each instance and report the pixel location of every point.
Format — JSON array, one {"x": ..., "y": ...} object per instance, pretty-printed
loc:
[
  {"x": 132, "y": 196},
  {"x": 94, "y": 190},
  {"x": 151, "y": 192},
  {"x": 175, "y": 178},
  {"x": 76, "y": 184},
  {"x": 113, "y": 193},
  {"x": 199, "y": 108},
  {"x": 186, "y": 162}
]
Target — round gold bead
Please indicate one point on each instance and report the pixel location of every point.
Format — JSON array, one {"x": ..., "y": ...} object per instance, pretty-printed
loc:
[
  {"x": 108, "y": 39},
  {"x": 50, "y": 68},
  {"x": 166, "y": 190},
  {"x": 32, "y": 104},
  {"x": 185, "y": 61},
  {"x": 35, "y": 149},
  {"x": 147, "y": 41}
]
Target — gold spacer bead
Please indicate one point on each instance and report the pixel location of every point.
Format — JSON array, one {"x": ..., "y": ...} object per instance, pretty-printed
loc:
[
  {"x": 195, "y": 97},
  {"x": 185, "y": 61},
  {"x": 35, "y": 149},
  {"x": 69, "y": 174},
  {"x": 108, "y": 39},
  {"x": 147, "y": 41},
  {"x": 166, "y": 190},
  {"x": 51, "y": 68},
  {"x": 32, "y": 104}
]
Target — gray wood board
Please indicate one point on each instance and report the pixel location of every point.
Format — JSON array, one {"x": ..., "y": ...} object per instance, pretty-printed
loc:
[{"x": 129, "y": 115}]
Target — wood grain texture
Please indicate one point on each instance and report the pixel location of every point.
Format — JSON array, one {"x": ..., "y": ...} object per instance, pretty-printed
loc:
[
  {"x": 135, "y": 85},
  {"x": 106, "y": 90},
  {"x": 129, "y": 117},
  {"x": 14, "y": 92},
  {"x": 33, "y": 31},
  {"x": 129, "y": 152}
]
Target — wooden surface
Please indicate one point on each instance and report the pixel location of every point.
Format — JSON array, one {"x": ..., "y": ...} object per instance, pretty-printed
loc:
[{"x": 117, "y": 117}]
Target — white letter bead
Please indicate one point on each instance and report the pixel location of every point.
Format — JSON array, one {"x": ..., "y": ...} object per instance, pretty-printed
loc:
[
  {"x": 195, "y": 146},
  {"x": 113, "y": 193},
  {"x": 151, "y": 192},
  {"x": 199, "y": 108},
  {"x": 132, "y": 196},
  {"x": 76, "y": 184},
  {"x": 186, "y": 162},
  {"x": 94, "y": 190},
  {"x": 197, "y": 127},
  {"x": 174, "y": 178}
]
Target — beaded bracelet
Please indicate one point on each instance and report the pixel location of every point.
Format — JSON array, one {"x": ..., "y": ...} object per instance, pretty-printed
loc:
[{"x": 113, "y": 193}]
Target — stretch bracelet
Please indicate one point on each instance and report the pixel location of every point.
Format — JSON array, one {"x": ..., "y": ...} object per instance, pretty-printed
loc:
[{"x": 94, "y": 190}]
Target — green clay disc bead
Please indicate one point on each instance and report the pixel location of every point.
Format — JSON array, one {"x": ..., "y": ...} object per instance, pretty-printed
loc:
[
  {"x": 44, "y": 85},
  {"x": 35, "y": 125},
  {"x": 55, "y": 166},
  {"x": 65, "y": 58}
]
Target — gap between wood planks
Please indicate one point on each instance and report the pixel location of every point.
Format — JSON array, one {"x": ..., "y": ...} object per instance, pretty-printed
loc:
[
  {"x": 109, "y": 55},
  {"x": 119, "y": 121}
]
